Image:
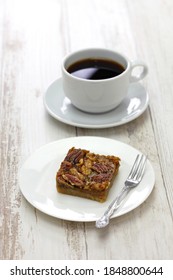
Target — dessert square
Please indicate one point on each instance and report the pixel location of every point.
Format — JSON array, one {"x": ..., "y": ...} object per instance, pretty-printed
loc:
[{"x": 85, "y": 174}]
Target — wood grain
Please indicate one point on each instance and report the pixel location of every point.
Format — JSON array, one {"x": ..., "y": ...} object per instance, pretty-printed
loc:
[{"x": 34, "y": 37}]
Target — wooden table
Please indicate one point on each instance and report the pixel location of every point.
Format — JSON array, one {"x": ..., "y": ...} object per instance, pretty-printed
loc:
[{"x": 35, "y": 36}]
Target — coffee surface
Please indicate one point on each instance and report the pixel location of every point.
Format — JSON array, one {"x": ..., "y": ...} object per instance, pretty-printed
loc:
[{"x": 95, "y": 69}]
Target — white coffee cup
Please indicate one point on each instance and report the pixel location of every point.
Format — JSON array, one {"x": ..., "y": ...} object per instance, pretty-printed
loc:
[{"x": 102, "y": 95}]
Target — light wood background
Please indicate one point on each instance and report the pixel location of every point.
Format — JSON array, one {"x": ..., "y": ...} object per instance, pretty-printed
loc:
[{"x": 34, "y": 37}]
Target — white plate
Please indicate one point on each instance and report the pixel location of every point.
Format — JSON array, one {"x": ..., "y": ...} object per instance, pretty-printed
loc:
[
  {"x": 60, "y": 107},
  {"x": 37, "y": 179}
]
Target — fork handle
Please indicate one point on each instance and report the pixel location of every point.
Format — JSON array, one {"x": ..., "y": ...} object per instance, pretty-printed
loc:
[
  {"x": 115, "y": 204},
  {"x": 104, "y": 220}
]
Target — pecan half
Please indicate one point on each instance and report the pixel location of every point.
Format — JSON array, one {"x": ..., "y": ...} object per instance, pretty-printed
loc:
[
  {"x": 66, "y": 165},
  {"x": 102, "y": 177},
  {"x": 73, "y": 180},
  {"x": 100, "y": 167},
  {"x": 74, "y": 155}
]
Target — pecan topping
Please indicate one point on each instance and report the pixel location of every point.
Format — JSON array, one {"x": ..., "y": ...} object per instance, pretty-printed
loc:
[
  {"x": 73, "y": 180},
  {"x": 102, "y": 177},
  {"x": 66, "y": 165},
  {"x": 75, "y": 172},
  {"x": 88, "y": 163},
  {"x": 100, "y": 167},
  {"x": 74, "y": 155},
  {"x": 86, "y": 174},
  {"x": 85, "y": 170},
  {"x": 91, "y": 156}
]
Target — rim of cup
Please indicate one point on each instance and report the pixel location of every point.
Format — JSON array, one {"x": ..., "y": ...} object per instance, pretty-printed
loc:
[{"x": 100, "y": 53}]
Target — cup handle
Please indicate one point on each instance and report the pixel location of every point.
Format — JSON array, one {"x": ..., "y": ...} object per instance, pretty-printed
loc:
[{"x": 143, "y": 73}]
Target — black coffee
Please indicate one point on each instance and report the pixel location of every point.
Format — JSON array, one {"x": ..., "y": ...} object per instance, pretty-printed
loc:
[{"x": 95, "y": 69}]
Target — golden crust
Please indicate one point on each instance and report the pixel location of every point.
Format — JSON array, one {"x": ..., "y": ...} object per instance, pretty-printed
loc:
[{"x": 86, "y": 174}]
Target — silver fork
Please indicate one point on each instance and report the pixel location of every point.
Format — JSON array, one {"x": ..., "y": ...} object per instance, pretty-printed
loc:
[{"x": 133, "y": 180}]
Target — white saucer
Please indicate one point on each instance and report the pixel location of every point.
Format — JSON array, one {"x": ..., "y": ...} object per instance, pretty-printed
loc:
[{"x": 60, "y": 107}]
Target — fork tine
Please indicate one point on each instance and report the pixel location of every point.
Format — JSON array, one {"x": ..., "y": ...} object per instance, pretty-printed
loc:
[
  {"x": 141, "y": 167},
  {"x": 138, "y": 167},
  {"x": 133, "y": 170}
]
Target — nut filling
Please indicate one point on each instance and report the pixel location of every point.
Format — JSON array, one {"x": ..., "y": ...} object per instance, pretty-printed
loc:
[{"x": 86, "y": 174}]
